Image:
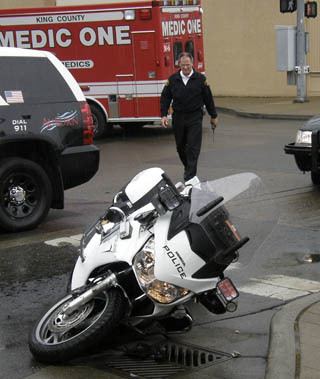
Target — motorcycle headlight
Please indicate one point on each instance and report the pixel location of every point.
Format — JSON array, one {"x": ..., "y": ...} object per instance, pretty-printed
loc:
[
  {"x": 304, "y": 137},
  {"x": 160, "y": 291}
]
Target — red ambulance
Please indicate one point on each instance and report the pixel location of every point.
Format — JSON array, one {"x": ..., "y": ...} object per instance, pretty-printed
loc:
[{"x": 121, "y": 53}]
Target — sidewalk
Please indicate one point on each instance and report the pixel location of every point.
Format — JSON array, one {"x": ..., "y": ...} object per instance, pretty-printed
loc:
[
  {"x": 272, "y": 108},
  {"x": 294, "y": 350}
]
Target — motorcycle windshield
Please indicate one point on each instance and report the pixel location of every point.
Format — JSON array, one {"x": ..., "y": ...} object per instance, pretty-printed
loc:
[{"x": 246, "y": 210}]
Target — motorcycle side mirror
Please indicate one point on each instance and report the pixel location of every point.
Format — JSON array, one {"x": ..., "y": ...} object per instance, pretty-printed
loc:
[
  {"x": 169, "y": 198},
  {"x": 116, "y": 197},
  {"x": 114, "y": 214}
]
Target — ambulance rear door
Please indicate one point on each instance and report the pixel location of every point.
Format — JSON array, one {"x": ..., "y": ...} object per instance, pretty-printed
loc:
[
  {"x": 125, "y": 99},
  {"x": 145, "y": 69}
]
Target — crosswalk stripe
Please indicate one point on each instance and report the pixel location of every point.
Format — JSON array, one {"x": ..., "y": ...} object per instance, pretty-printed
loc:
[
  {"x": 71, "y": 240},
  {"x": 280, "y": 287},
  {"x": 291, "y": 282},
  {"x": 271, "y": 291}
]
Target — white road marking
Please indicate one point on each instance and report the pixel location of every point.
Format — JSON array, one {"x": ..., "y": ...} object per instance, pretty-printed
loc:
[
  {"x": 71, "y": 240},
  {"x": 280, "y": 287},
  {"x": 292, "y": 282}
]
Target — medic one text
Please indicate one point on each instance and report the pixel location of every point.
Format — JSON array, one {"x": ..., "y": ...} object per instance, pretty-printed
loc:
[{"x": 36, "y": 39}]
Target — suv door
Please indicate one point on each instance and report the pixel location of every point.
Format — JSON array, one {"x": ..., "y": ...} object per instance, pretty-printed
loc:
[{"x": 40, "y": 101}]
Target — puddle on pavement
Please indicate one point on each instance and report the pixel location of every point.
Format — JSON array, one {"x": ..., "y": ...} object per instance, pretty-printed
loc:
[{"x": 34, "y": 262}]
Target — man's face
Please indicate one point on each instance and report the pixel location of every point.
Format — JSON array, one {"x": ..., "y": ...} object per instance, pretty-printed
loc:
[{"x": 186, "y": 65}]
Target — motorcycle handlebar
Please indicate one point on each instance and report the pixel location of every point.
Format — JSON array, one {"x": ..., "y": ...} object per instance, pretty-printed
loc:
[{"x": 209, "y": 206}]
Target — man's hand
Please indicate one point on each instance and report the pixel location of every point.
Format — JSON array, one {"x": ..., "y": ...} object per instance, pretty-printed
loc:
[
  {"x": 214, "y": 122},
  {"x": 164, "y": 122}
]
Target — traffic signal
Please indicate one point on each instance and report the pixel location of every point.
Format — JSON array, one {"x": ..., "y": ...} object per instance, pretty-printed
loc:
[
  {"x": 288, "y": 6},
  {"x": 310, "y": 9}
]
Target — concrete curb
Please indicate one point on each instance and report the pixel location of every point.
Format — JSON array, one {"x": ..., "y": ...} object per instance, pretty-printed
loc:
[
  {"x": 257, "y": 115},
  {"x": 283, "y": 346}
]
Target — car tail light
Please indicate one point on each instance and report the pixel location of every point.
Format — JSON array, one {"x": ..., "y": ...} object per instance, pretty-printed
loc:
[{"x": 87, "y": 124}]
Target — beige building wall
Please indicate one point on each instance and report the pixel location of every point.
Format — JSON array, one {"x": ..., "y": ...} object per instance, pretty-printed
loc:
[
  {"x": 8, "y": 4},
  {"x": 240, "y": 45},
  {"x": 313, "y": 57}
]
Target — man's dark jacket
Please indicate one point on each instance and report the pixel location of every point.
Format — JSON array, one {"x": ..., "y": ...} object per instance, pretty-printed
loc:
[{"x": 187, "y": 98}]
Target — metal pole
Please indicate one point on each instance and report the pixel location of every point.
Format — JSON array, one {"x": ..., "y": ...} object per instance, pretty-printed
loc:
[{"x": 301, "y": 54}]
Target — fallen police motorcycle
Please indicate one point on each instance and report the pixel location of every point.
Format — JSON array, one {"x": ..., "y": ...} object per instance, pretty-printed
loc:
[{"x": 156, "y": 248}]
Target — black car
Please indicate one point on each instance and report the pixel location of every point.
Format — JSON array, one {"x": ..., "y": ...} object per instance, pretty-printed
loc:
[
  {"x": 46, "y": 137},
  {"x": 306, "y": 148}
]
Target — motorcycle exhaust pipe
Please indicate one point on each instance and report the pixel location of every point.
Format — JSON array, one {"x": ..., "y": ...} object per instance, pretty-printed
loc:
[{"x": 88, "y": 295}]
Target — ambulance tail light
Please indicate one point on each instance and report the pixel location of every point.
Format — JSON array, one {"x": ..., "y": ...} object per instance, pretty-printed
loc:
[
  {"x": 87, "y": 120},
  {"x": 145, "y": 14}
]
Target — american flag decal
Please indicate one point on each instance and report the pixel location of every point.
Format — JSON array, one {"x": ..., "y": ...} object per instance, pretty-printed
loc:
[{"x": 13, "y": 97}]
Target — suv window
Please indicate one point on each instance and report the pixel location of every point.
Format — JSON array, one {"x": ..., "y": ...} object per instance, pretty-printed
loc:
[{"x": 37, "y": 79}]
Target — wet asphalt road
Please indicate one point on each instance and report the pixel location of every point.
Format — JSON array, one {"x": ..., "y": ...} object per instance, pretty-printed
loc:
[{"x": 34, "y": 274}]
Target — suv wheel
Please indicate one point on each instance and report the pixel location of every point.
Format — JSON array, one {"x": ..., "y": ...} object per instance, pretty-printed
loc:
[{"x": 25, "y": 194}]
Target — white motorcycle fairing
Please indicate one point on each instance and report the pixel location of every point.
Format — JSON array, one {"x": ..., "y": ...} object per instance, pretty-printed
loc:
[
  {"x": 110, "y": 249},
  {"x": 174, "y": 265},
  {"x": 143, "y": 183}
]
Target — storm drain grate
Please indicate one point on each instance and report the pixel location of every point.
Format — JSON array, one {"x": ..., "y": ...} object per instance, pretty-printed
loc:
[
  {"x": 193, "y": 356},
  {"x": 144, "y": 368},
  {"x": 164, "y": 360}
]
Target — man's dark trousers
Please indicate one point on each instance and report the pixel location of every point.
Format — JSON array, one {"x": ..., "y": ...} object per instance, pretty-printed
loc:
[{"x": 187, "y": 128}]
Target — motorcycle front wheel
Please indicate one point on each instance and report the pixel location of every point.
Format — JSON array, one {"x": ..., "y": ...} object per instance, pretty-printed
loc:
[{"x": 58, "y": 337}]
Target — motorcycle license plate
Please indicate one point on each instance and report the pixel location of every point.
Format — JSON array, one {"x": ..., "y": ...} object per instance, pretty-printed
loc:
[{"x": 227, "y": 289}]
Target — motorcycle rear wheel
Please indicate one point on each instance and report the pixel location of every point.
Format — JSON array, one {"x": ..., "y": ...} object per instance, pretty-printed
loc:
[{"x": 57, "y": 337}]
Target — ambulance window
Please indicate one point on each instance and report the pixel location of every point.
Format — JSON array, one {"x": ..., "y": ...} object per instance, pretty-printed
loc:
[
  {"x": 177, "y": 50},
  {"x": 37, "y": 78},
  {"x": 189, "y": 48}
]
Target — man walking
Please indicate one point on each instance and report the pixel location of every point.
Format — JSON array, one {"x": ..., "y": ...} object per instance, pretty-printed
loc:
[{"x": 188, "y": 91}]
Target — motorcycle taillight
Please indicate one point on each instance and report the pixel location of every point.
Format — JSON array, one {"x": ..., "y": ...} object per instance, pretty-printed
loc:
[
  {"x": 87, "y": 134},
  {"x": 227, "y": 289}
]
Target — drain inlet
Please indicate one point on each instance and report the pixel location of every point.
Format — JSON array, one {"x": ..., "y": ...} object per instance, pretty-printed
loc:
[{"x": 164, "y": 360}]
